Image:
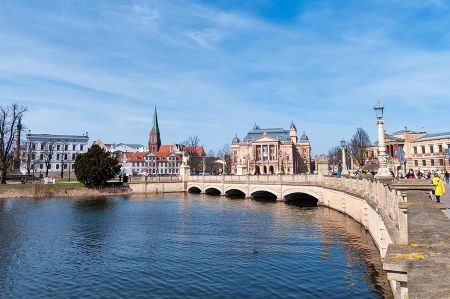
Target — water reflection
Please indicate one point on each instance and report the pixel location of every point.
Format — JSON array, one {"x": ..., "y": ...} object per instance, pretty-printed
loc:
[{"x": 178, "y": 246}]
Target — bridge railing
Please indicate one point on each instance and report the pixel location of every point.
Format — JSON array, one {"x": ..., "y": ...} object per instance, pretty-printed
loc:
[
  {"x": 151, "y": 179},
  {"x": 270, "y": 179}
]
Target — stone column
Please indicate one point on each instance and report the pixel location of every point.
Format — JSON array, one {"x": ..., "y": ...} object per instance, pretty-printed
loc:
[{"x": 383, "y": 171}]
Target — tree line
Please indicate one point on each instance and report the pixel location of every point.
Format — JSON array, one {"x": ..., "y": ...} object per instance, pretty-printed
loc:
[{"x": 356, "y": 150}]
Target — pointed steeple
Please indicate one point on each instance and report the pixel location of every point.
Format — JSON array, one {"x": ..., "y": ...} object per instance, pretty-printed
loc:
[
  {"x": 155, "y": 121},
  {"x": 154, "y": 142}
]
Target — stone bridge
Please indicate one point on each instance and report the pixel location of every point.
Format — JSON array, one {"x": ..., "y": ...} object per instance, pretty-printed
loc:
[
  {"x": 281, "y": 187},
  {"x": 409, "y": 229},
  {"x": 381, "y": 207}
]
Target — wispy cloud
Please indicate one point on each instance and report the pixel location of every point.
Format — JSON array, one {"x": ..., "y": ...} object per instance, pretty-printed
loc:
[{"x": 214, "y": 70}]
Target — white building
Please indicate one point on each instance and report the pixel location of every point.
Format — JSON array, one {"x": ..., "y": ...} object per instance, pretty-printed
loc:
[
  {"x": 121, "y": 147},
  {"x": 60, "y": 151},
  {"x": 150, "y": 163}
]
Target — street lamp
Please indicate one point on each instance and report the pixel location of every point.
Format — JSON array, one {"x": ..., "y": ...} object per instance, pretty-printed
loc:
[
  {"x": 383, "y": 170},
  {"x": 344, "y": 160}
]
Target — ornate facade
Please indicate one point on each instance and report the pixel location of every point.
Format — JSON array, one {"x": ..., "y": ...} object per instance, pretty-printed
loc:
[
  {"x": 421, "y": 151},
  {"x": 271, "y": 151}
]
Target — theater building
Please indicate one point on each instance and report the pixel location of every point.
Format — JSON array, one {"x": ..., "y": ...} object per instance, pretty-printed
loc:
[{"x": 271, "y": 151}]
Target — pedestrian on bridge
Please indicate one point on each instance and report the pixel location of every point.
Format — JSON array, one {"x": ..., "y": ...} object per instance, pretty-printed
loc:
[
  {"x": 439, "y": 188},
  {"x": 447, "y": 177}
]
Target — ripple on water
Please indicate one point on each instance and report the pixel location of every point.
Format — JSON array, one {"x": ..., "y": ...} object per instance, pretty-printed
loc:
[{"x": 183, "y": 247}]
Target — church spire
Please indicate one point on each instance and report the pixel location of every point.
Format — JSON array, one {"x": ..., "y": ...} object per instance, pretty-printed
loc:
[
  {"x": 154, "y": 142},
  {"x": 155, "y": 121}
]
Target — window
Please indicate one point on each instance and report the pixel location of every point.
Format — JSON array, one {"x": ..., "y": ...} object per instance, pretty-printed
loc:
[
  {"x": 42, "y": 146},
  {"x": 423, "y": 149},
  {"x": 58, "y": 147},
  {"x": 73, "y": 156},
  {"x": 65, "y": 156},
  {"x": 440, "y": 148},
  {"x": 287, "y": 158},
  {"x": 41, "y": 166},
  {"x": 431, "y": 149},
  {"x": 42, "y": 156},
  {"x": 74, "y": 147},
  {"x": 33, "y": 146},
  {"x": 57, "y": 156},
  {"x": 415, "y": 150},
  {"x": 65, "y": 166},
  {"x": 132, "y": 164},
  {"x": 33, "y": 156},
  {"x": 66, "y": 147},
  {"x": 81, "y": 147},
  {"x": 49, "y": 166},
  {"x": 424, "y": 163},
  {"x": 57, "y": 166},
  {"x": 432, "y": 162},
  {"x": 441, "y": 162},
  {"x": 416, "y": 163}
]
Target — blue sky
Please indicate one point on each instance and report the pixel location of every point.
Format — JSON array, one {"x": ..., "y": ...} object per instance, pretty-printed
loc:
[{"x": 213, "y": 68}]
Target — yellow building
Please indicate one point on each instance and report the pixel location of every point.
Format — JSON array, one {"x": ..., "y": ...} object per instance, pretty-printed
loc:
[
  {"x": 422, "y": 151},
  {"x": 271, "y": 151}
]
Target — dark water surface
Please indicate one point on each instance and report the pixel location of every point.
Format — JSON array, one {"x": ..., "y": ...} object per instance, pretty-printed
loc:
[{"x": 183, "y": 246}]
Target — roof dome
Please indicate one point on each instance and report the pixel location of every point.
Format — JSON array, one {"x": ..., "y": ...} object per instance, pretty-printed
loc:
[
  {"x": 235, "y": 140},
  {"x": 304, "y": 137}
]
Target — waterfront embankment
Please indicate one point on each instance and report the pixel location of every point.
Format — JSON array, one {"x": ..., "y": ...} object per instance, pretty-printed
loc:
[{"x": 39, "y": 190}]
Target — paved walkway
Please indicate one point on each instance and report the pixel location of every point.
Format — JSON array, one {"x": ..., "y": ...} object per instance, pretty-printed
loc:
[{"x": 446, "y": 199}]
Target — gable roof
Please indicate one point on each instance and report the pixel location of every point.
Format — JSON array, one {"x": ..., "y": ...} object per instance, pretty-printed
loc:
[{"x": 138, "y": 156}]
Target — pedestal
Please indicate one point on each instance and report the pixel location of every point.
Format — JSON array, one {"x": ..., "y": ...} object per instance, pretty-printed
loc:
[
  {"x": 185, "y": 172},
  {"x": 241, "y": 170}
]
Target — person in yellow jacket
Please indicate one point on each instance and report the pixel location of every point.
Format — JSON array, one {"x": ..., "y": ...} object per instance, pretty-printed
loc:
[{"x": 439, "y": 188}]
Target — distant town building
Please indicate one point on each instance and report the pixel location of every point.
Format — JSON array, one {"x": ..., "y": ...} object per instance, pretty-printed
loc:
[
  {"x": 59, "y": 150},
  {"x": 154, "y": 140},
  {"x": 157, "y": 159},
  {"x": 121, "y": 147},
  {"x": 422, "y": 151},
  {"x": 271, "y": 151}
]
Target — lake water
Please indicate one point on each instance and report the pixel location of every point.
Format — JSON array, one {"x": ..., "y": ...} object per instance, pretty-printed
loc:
[{"x": 183, "y": 246}]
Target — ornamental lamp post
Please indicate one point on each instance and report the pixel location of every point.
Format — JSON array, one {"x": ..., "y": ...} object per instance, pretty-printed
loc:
[
  {"x": 383, "y": 171},
  {"x": 344, "y": 160}
]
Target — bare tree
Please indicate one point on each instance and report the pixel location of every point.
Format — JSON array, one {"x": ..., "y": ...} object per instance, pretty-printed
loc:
[
  {"x": 62, "y": 156},
  {"x": 191, "y": 149},
  {"x": 9, "y": 118},
  {"x": 30, "y": 158},
  {"x": 209, "y": 161},
  {"x": 48, "y": 153},
  {"x": 358, "y": 146},
  {"x": 225, "y": 155},
  {"x": 334, "y": 156}
]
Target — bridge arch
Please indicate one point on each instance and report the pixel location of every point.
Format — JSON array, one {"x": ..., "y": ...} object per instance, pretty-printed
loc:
[
  {"x": 301, "y": 198},
  {"x": 264, "y": 194},
  {"x": 194, "y": 189},
  {"x": 212, "y": 191},
  {"x": 288, "y": 194},
  {"x": 235, "y": 192}
]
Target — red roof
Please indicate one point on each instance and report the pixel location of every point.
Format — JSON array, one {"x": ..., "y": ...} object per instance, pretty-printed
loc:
[
  {"x": 167, "y": 148},
  {"x": 199, "y": 150},
  {"x": 138, "y": 156}
]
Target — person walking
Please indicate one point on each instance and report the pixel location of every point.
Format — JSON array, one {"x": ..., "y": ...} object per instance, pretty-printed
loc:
[
  {"x": 447, "y": 177},
  {"x": 439, "y": 188}
]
